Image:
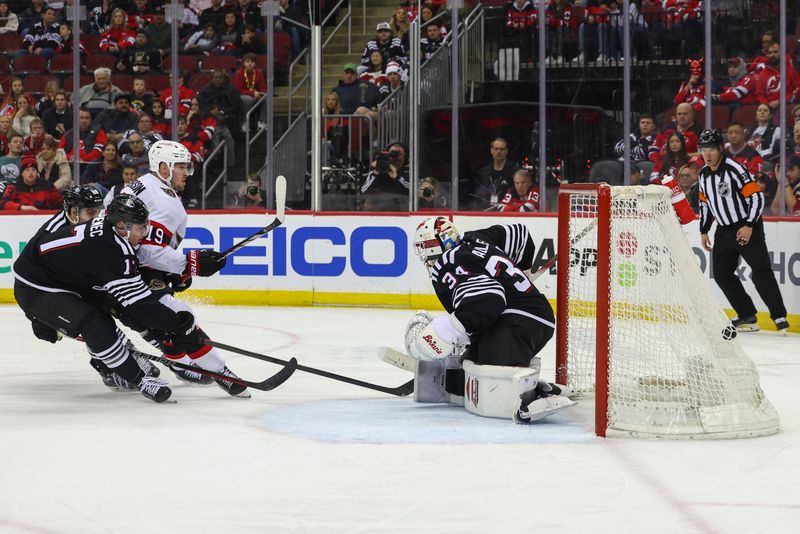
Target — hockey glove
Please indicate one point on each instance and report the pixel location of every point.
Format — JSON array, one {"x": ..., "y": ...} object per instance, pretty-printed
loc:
[
  {"x": 442, "y": 337},
  {"x": 203, "y": 263},
  {"x": 44, "y": 332},
  {"x": 186, "y": 336},
  {"x": 177, "y": 283}
]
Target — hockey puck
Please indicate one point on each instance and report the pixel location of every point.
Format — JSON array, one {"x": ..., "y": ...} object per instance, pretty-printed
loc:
[{"x": 729, "y": 333}]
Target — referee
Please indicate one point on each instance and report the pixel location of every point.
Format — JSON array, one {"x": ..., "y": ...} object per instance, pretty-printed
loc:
[{"x": 729, "y": 195}]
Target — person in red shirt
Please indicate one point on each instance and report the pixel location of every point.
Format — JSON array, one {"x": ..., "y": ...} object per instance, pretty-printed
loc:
[
  {"x": 521, "y": 20},
  {"x": 693, "y": 90},
  {"x": 118, "y": 37},
  {"x": 743, "y": 91},
  {"x": 34, "y": 143},
  {"x": 683, "y": 124},
  {"x": 738, "y": 149},
  {"x": 562, "y": 24},
  {"x": 30, "y": 193},
  {"x": 190, "y": 141},
  {"x": 769, "y": 79},
  {"x": 185, "y": 96},
  {"x": 523, "y": 197},
  {"x": 249, "y": 81}
]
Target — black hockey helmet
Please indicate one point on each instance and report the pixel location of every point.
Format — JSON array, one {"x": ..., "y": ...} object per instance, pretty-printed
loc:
[
  {"x": 82, "y": 196},
  {"x": 710, "y": 138},
  {"x": 128, "y": 209}
]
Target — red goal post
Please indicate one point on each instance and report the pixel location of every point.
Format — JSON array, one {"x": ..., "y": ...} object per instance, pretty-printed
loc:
[{"x": 637, "y": 325}]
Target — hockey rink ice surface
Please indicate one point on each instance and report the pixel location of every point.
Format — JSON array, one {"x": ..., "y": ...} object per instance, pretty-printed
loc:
[{"x": 319, "y": 456}]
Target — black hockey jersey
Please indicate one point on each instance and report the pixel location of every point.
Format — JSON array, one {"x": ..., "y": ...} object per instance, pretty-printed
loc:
[
  {"x": 92, "y": 261},
  {"x": 482, "y": 278}
]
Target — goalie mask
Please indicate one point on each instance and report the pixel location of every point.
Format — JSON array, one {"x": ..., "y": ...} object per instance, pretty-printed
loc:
[{"x": 433, "y": 237}]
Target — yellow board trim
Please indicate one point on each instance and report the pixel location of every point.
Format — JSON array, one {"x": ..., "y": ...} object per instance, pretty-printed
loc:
[{"x": 242, "y": 297}]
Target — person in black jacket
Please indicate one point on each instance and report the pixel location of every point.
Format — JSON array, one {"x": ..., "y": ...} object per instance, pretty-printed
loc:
[
  {"x": 221, "y": 100},
  {"x": 117, "y": 120}
]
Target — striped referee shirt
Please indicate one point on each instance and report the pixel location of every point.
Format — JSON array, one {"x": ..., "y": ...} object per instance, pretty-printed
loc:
[{"x": 729, "y": 195}]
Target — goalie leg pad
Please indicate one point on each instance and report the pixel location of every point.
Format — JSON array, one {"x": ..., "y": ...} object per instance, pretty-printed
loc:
[
  {"x": 431, "y": 380},
  {"x": 494, "y": 390}
]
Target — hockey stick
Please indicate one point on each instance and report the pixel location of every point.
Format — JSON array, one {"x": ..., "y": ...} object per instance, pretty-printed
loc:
[
  {"x": 280, "y": 213},
  {"x": 265, "y": 385},
  {"x": 554, "y": 259},
  {"x": 400, "y": 391}
]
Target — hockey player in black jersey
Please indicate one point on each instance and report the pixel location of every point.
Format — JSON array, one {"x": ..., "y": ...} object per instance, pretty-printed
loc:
[
  {"x": 494, "y": 309},
  {"x": 61, "y": 278}
]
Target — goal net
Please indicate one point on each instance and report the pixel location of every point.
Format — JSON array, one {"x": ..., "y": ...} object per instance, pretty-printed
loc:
[{"x": 639, "y": 327}]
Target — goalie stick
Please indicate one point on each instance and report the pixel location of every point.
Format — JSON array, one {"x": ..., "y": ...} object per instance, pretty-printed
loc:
[
  {"x": 400, "y": 391},
  {"x": 554, "y": 259},
  {"x": 265, "y": 385},
  {"x": 280, "y": 213}
]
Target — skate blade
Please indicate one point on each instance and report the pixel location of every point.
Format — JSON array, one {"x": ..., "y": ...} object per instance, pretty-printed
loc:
[{"x": 747, "y": 329}]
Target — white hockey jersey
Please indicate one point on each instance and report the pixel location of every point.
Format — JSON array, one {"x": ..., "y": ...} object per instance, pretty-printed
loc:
[{"x": 167, "y": 224}]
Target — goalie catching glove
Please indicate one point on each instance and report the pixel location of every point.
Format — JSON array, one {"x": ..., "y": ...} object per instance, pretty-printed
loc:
[
  {"x": 433, "y": 339},
  {"x": 203, "y": 263}
]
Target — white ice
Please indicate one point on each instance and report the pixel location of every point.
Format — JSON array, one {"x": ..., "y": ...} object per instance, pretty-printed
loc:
[{"x": 319, "y": 456}]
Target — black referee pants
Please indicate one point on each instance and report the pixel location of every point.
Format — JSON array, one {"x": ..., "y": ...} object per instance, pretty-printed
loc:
[{"x": 725, "y": 257}]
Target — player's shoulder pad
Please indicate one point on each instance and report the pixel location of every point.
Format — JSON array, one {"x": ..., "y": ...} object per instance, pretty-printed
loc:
[{"x": 137, "y": 186}]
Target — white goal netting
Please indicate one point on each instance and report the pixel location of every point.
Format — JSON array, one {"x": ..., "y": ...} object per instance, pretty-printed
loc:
[{"x": 674, "y": 370}]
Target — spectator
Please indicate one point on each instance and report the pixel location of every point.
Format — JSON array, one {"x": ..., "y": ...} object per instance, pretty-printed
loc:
[
  {"x": 5, "y": 131},
  {"x": 738, "y": 149},
  {"x": 53, "y": 165},
  {"x": 30, "y": 192},
  {"x": 117, "y": 120},
  {"x": 767, "y": 40},
  {"x": 391, "y": 47},
  {"x": 9, "y": 104},
  {"x": 683, "y": 124},
  {"x": 387, "y": 184},
  {"x": 399, "y": 25},
  {"x": 33, "y": 144},
  {"x": 32, "y": 16},
  {"x": 134, "y": 154},
  {"x": 229, "y": 33},
  {"x": 44, "y": 38},
  {"x": 593, "y": 29},
  {"x": 91, "y": 139},
  {"x": 23, "y": 116},
  {"x": 693, "y": 90},
  {"x": 100, "y": 17},
  {"x": 129, "y": 175},
  {"x": 769, "y": 79},
  {"x": 394, "y": 75},
  {"x": 118, "y": 36},
  {"x": 161, "y": 124},
  {"x": 672, "y": 159},
  {"x": 140, "y": 15},
  {"x": 203, "y": 41},
  {"x": 185, "y": 96},
  {"x": 793, "y": 144},
  {"x": 9, "y": 22},
  {"x": 215, "y": 14},
  {"x": 764, "y": 135},
  {"x": 222, "y": 101},
  {"x": 191, "y": 141},
  {"x": 200, "y": 123},
  {"x": 643, "y": 145},
  {"x": 100, "y": 95},
  {"x": 432, "y": 41},
  {"x": 248, "y": 42},
  {"x": 108, "y": 172},
  {"x": 141, "y": 98},
  {"x": 10, "y": 163},
  {"x": 250, "y": 82},
  {"x": 495, "y": 180},
  {"x": 249, "y": 13},
  {"x": 769, "y": 186},
  {"x": 357, "y": 97},
  {"x": 290, "y": 12},
  {"x": 426, "y": 14},
  {"x": 140, "y": 58},
  {"x": 742, "y": 88},
  {"x": 58, "y": 118},
  {"x": 67, "y": 41},
  {"x": 46, "y": 102},
  {"x": 521, "y": 20},
  {"x": 795, "y": 113},
  {"x": 791, "y": 191},
  {"x": 158, "y": 32},
  {"x": 687, "y": 181},
  {"x": 562, "y": 27},
  {"x": 523, "y": 196},
  {"x": 144, "y": 127},
  {"x": 374, "y": 73}
]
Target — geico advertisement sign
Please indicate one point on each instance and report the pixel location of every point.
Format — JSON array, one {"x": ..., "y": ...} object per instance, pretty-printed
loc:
[{"x": 309, "y": 247}]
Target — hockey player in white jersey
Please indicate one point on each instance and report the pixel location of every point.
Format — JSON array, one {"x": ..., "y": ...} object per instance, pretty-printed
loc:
[{"x": 167, "y": 269}]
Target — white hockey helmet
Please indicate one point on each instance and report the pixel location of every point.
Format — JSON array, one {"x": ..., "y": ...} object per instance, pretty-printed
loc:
[
  {"x": 169, "y": 152},
  {"x": 435, "y": 236}
]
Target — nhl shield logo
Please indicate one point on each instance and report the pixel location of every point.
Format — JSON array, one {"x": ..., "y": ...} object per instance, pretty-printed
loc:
[
  {"x": 724, "y": 190},
  {"x": 471, "y": 391}
]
